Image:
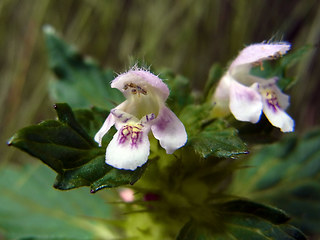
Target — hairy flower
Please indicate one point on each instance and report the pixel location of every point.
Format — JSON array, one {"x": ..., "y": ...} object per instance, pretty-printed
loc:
[
  {"x": 246, "y": 96},
  {"x": 143, "y": 110}
]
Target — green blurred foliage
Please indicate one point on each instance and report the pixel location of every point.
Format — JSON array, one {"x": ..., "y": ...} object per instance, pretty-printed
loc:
[
  {"x": 287, "y": 175},
  {"x": 30, "y": 209},
  {"x": 243, "y": 220},
  {"x": 186, "y": 36}
]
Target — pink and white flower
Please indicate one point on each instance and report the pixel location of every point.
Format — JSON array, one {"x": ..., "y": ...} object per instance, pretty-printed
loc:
[
  {"x": 246, "y": 96},
  {"x": 143, "y": 110}
]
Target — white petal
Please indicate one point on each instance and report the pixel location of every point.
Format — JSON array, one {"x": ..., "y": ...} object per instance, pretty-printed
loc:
[
  {"x": 245, "y": 102},
  {"x": 125, "y": 155},
  {"x": 123, "y": 117},
  {"x": 141, "y": 77},
  {"x": 278, "y": 118},
  {"x": 259, "y": 52},
  {"x": 283, "y": 99},
  {"x": 221, "y": 97},
  {"x": 108, "y": 123},
  {"x": 169, "y": 130},
  {"x": 148, "y": 119}
]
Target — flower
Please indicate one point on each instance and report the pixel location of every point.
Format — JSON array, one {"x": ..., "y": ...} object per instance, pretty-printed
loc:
[
  {"x": 126, "y": 194},
  {"x": 143, "y": 110},
  {"x": 246, "y": 96}
]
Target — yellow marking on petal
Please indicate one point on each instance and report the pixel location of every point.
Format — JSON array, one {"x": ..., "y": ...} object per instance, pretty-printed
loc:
[
  {"x": 271, "y": 97},
  {"x": 131, "y": 132}
]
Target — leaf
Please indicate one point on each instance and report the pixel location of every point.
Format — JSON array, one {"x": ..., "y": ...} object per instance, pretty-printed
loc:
[
  {"x": 218, "y": 140},
  {"x": 180, "y": 90},
  {"x": 210, "y": 137},
  {"x": 287, "y": 175},
  {"x": 91, "y": 121},
  {"x": 30, "y": 209},
  {"x": 242, "y": 219},
  {"x": 80, "y": 82},
  {"x": 66, "y": 147}
]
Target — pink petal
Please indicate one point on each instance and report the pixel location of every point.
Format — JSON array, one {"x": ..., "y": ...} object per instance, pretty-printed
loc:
[
  {"x": 259, "y": 52},
  {"x": 245, "y": 103},
  {"x": 274, "y": 104},
  {"x": 169, "y": 130},
  {"x": 141, "y": 77},
  {"x": 108, "y": 123}
]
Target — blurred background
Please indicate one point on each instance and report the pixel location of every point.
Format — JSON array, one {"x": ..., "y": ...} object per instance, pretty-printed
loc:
[{"x": 187, "y": 36}]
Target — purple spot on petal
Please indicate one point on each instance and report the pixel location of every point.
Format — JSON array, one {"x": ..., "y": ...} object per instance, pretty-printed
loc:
[
  {"x": 133, "y": 134},
  {"x": 163, "y": 122},
  {"x": 126, "y": 120},
  {"x": 247, "y": 96},
  {"x": 272, "y": 100}
]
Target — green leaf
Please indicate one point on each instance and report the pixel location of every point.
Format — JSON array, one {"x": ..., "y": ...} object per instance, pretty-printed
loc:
[
  {"x": 180, "y": 90},
  {"x": 287, "y": 175},
  {"x": 218, "y": 140},
  {"x": 91, "y": 121},
  {"x": 80, "y": 82},
  {"x": 210, "y": 137},
  {"x": 66, "y": 147},
  {"x": 31, "y": 209},
  {"x": 242, "y": 219}
]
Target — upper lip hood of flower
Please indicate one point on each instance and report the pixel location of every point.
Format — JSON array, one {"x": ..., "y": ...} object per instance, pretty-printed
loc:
[
  {"x": 246, "y": 96},
  {"x": 143, "y": 111},
  {"x": 141, "y": 77},
  {"x": 259, "y": 52}
]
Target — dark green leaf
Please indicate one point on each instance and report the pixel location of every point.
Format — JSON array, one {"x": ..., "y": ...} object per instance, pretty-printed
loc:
[
  {"x": 116, "y": 177},
  {"x": 91, "y": 121},
  {"x": 218, "y": 140},
  {"x": 287, "y": 175},
  {"x": 180, "y": 90},
  {"x": 66, "y": 147},
  {"x": 210, "y": 137},
  {"x": 273, "y": 215},
  {"x": 80, "y": 81},
  {"x": 242, "y": 219}
]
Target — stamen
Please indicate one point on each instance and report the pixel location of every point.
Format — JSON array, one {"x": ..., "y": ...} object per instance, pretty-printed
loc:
[
  {"x": 255, "y": 64},
  {"x": 135, "y": 89},
  {"x": 276, "y": 55}
]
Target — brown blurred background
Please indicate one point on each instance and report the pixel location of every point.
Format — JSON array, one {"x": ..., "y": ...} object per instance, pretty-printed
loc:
[{"x": 187, "y": 36}]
